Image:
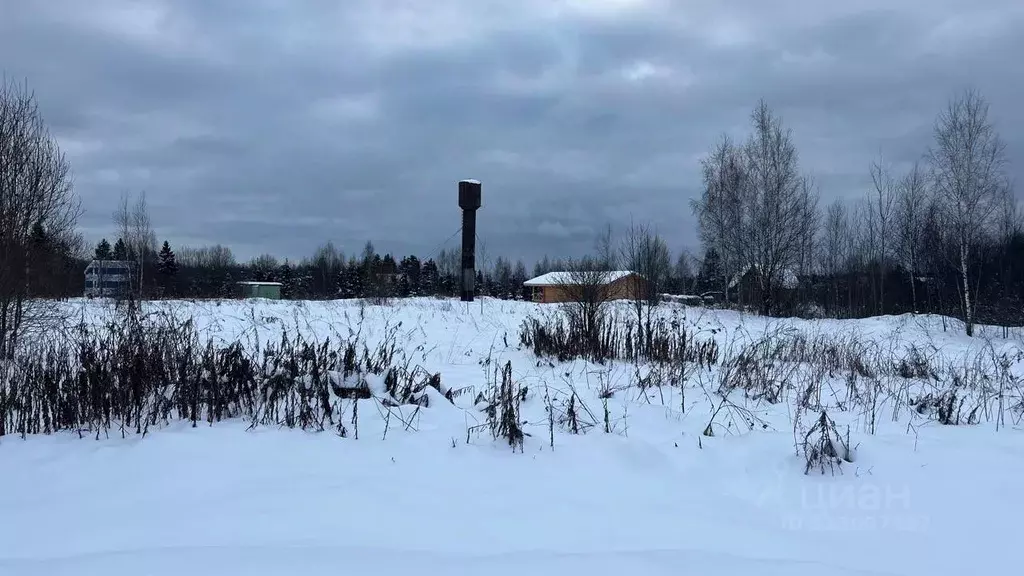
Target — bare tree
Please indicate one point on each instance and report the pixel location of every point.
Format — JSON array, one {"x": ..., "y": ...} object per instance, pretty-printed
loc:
[
  {"x": 881, "y": 207},
  {"x": 211, "y": 257},
  {"x": 449, "y": 267},
  {"x": 646, "y": 254},
  {"x": 968, "y": 163},
  {"x": 810, "y": 221},
  {"x": 605, "y": 249},
  {"x": 327, "y": 262},
  {"x": 265, "y": 267},
  {"x": 777, "y": 202},
  {"x": 136, "y": 228},
  {"x": 834, "y": 245},
  {"x": 910, "y": 213},
  {"x": 720, "y": 209},
  {"x": 584, "y": 286},
  {"x": 36, "y": 195},
  {"x": 683, "y": 272},
  {"x": 501, "y": 278}
]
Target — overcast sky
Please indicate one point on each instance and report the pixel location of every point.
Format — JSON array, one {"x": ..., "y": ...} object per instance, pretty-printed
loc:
[{"x": 276, "y": 125}]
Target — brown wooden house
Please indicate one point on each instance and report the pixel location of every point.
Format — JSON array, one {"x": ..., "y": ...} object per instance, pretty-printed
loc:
[{"x": 557, "y": 286}]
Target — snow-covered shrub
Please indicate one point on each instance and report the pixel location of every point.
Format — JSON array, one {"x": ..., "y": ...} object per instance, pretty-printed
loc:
[
  {"x": 824, "y": 447},
  {"x": 501, "y": 403}
]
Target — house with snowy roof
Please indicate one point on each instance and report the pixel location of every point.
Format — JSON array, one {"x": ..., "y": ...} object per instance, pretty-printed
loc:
[
  {"x": 745, "y": 287},
  {"x": 561, "y": 285}
]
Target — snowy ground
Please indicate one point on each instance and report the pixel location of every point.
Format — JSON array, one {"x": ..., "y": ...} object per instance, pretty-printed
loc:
[{"x": 654, "y": 496}]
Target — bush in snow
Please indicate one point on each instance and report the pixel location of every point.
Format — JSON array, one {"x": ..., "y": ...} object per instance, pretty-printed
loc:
[
  {"x": 502, "y": 403},
  {"x": 666, "y": 341},
  {"x": 823, "y": 446}
]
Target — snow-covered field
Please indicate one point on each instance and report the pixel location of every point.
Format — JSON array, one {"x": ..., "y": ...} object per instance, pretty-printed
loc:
[{"x": 643, "y": 490}]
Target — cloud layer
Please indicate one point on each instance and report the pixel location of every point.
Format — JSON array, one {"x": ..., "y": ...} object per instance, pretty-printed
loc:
[{"x": 275, "y": 125}]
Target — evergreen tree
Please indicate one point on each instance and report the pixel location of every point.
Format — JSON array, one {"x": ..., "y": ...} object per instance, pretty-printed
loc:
[
  {"x": 411, "y": 271},
  {"x": 120, "y": 250},
  {"x": 346, "y": 285},
  {"x": 264, "y": 268},
  {"x": 228, "y": 289},
  {"x": 404, "y": 288},
  {"x": 710, "y": 276},
  {"x": 374, "y": 283},
  {"x": 167, "y": 269},
  {"x": 286, "y": 276},
  {"x": 429, "y": 279},
  {"x": 501, "y": 280},
  {"x": 303, "y": 282},
  {"x": 388, "y": 266},
  {"x": 102, "y": 250},
  {"x": 518, "y": 278},
  {"x": 356, "y": 276}
]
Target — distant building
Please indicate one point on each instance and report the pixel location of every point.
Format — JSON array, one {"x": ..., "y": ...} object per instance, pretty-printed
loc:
[
  {"x": 557, "y": 286},
  {"x": 745, "y": 287},
  {"x": 269, "y": 290},
  {"x": 108, "y": 278}
]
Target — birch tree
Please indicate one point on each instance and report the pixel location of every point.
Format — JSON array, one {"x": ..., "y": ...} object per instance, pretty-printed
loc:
[
  {"x": 720, "y": 209},
  {"x": 881, "y": 206},
  {"x": 834, "y": 246},
  {"x": 136, "y": 230},
  {"x": 777, "y": 203},
  {"x": 911, "y": 212},
  {"x": 968, "y": 162}
]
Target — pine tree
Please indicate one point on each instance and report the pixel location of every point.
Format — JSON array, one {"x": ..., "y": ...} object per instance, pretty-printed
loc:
[
  {"x": 710, "y": 276},
  {"x": 429, "y": 279},
  {"x": 353, "y": 279},
  {"x": 501, "y": 279},
  {"x": 404, "y": 288},
  {"x": 286, "y": 276},
  {"x": 264, "y": 268},
  {"x": 344, "y": 282},
  {"x": 102, "y": 250},
  {"x": 167, "y": 269},
  {"x": 411, "y": 271},
  {"x": 388, "y": 265},
  {"x": 303, "y": 282},
  {"x": 373, "y": 285},
  {"x": 120, "y": 250},
  {"x": 519, "y": 291}
]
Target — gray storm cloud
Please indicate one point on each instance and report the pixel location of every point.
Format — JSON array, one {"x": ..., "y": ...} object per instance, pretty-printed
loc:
[{"x": 275, "y": 126}]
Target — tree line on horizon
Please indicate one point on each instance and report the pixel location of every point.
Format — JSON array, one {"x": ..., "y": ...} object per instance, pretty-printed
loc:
[{"x": 212, "y": 272}]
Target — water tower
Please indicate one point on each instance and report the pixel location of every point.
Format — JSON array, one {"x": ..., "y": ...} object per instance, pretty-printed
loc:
[{"x": 469, "y": 201}]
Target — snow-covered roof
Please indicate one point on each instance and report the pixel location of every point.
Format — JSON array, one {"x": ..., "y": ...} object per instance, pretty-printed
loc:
[
  {"x": 789, "y": 278},
  {"x": 115, "y": 263},
  {"x": 562, "y": 278}
]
